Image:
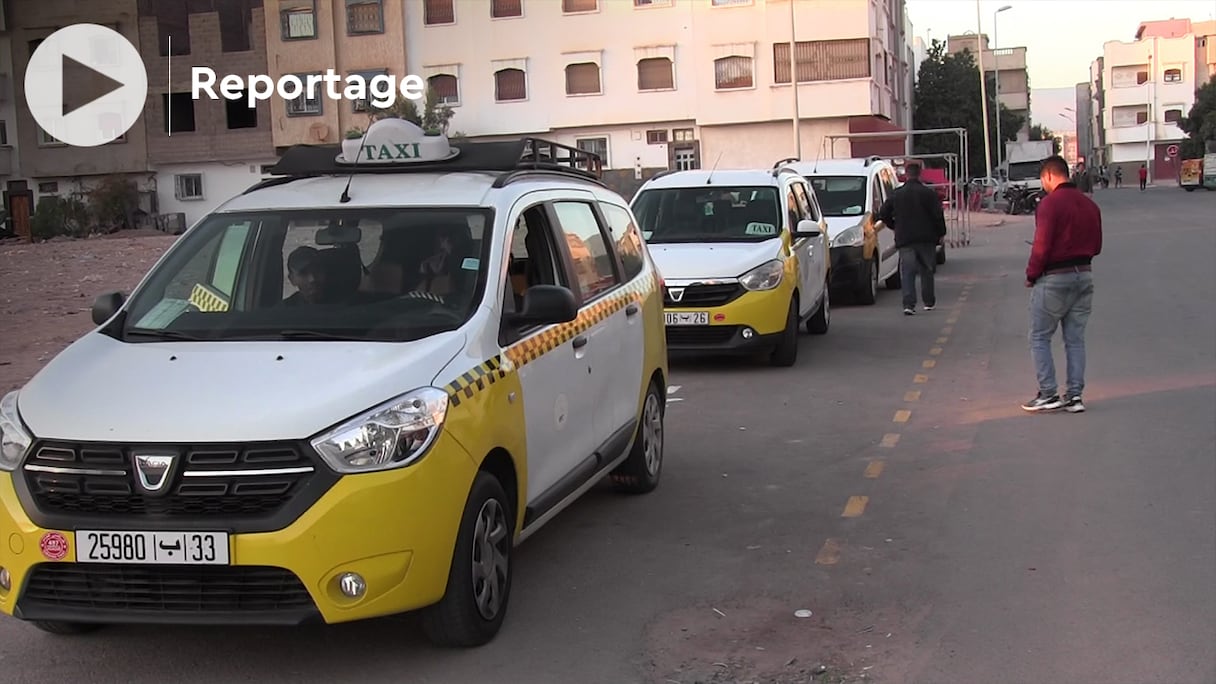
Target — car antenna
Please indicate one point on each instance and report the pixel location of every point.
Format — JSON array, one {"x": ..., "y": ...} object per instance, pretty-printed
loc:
[
  {"x": 822, "y": 143},
  {"x": 710, "y": 178},
  {"x": 358, "y": 155}
]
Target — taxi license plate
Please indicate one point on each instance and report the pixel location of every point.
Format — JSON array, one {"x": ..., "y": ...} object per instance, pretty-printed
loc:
[
  {"x": 688, "y": 318},
  {"x": 152, "y": 548}
]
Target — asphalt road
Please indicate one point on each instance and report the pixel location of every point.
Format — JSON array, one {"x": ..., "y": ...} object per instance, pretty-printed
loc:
[{"x": 889, "y": 484}]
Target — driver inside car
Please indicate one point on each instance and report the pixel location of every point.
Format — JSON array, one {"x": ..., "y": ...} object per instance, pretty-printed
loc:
[{"x": 306, "y": 271}]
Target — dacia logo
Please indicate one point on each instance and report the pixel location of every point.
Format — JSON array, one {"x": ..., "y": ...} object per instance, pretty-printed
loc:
[
  {"x": 393, "y": 153},
  {"x": 153, "y": 471}
]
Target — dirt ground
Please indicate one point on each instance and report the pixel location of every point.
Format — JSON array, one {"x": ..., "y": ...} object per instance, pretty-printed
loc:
[{"x": 47, "y": 291}]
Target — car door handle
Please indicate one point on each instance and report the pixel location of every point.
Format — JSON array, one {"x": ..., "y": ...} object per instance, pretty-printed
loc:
[
  {"x": 580, "y": 342},
  {"x": 632, "y": 310}
]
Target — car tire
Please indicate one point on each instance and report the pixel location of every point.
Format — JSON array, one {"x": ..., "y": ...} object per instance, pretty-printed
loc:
[
  {"x": 67, "y": 628},
  {"x": 940, "y": 255},
  {"x": 479, "y": 581},
  {"x": 1190, "y": 188},
  {"x": 819, "y": 323},
  {"x": 639, "y": 472},
  {"x": 867, "y": 293},
  {"x": 786, "y": 353}
]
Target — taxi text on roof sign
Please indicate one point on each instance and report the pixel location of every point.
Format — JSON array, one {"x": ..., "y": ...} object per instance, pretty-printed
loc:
[{"x": 396, "y": 141}]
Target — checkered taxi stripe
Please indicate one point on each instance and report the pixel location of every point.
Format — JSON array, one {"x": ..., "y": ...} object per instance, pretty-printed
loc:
[
  {"x": 205, "y": 299},
  {"x": 470, "y": 383}
]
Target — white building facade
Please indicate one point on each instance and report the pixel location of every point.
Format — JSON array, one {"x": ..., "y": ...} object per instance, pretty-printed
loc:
[{"x": 657, "y": 84}]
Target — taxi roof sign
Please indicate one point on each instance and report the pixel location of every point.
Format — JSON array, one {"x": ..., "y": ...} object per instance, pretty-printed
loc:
[{"x": 397, "y": 141}]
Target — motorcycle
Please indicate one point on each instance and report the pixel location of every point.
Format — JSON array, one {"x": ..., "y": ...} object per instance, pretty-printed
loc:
[{"x": 1022, "y": 200}]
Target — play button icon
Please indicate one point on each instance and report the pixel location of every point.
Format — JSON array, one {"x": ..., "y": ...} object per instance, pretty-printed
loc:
[{"x": 86, "y": 85}]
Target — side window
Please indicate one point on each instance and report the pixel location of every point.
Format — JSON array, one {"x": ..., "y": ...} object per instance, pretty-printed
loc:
[
  {"x": 879, "y": 196},
  {"x": 794, "y": 210},
  {"x": 588, "y": 248},
  {"x": 532, "y": 259},
  {"x": 228, "y": 258},
  {"x": 628, "y": 241},
  {"x": 805, "y": 203}
]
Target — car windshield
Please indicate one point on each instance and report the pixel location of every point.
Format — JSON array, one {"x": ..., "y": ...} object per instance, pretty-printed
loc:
[
  {"x": 840, "y": 195},
  {"x": 357, "y": 274},
  {"x": 711, "y": 214}
]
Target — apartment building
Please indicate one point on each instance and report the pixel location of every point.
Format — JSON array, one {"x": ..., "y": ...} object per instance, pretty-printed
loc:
[
  {"x": 365, "y": 37},
  {"x": 202, "y": 152},
  {"x": 1083, "y": 123},
  {"x": 657, "y": 84},
  {"x": 1148, "y": 87},
  {"x": 1005, "y": 68},
  {"x": 48, "y": 166}
]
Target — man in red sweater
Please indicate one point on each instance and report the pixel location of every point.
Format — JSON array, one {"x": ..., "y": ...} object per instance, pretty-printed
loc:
[{"x": 1067, "y": 236}]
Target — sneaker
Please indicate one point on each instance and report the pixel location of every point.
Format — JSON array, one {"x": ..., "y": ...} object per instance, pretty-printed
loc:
[
  {"x": 1074, "y": 405},
  {"x": 909, "y": 311},
  {"x": 928, "y": 307},
  {"x": 1043, "y": 403}
]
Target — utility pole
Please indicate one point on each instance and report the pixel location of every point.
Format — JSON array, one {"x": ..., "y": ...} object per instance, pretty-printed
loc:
[
  {"x": 979, "y": 48},
  {"x": 996, "y": 58},
  {"x": 794, "y": 84}
]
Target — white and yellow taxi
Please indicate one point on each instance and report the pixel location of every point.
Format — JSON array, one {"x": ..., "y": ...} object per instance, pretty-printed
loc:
[
  {"x": 346, "y": 393},
  {"x": 744, "y": 259}
]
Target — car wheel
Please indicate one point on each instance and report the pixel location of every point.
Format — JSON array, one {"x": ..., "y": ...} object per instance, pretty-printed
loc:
[
  {"x": 940, "y": 255},
  {"x": 639, "y": 473},
  {"x": 786, "y": 353},
  {"x": 868, "y": 293},
  {"x": 479, "y": 581},
  {"x": 819, "y": 323},
  {"x": 67, "y": 628}
]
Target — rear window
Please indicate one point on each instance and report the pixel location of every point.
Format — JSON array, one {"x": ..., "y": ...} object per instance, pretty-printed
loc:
[{"x": 840, "y": 195}]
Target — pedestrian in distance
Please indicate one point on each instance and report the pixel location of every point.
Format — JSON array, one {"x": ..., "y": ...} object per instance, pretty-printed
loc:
[
  {"x": 1067, "y": 237},
  {"x": 1118, "y": 176},
  {"x": 1143, "y": 177},
  {"x": 914, "y": 212}
]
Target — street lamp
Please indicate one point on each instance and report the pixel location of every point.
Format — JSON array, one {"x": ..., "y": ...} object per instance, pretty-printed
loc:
[
  {"x": 979, "y": 50},
  {"x": 996, "y": 58},
  {"x": 794, "y": 85}
]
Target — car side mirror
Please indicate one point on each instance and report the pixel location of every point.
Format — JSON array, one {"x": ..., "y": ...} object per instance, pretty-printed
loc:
[
  {"x": 106, "y": 305},
  {"x": 807, "y": 229},
  {"x": 546, "y": 305}
]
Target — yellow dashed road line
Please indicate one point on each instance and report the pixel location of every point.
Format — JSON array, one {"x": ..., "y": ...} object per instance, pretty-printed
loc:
[
  {"x": 942, "y": 340},
  {"x": 889, "y": 440},
  {"x": 829, "y": 553},
  {"x": 947, "y": 330},
  {"x": 936, "y": 351},
  {"x": 920, "y": 378},
  {"x": 914, "y": 395},
  {"x": 902, "y": 416},
  {"x": 855, "y": 507},
  {"x": 874, "y": 469},
  {"x": 928, "y": 363}
]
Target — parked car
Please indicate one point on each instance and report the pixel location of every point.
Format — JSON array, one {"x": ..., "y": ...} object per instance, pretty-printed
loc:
[
  {"x": 347, "y": 393},
  {"x": 744, "y": 258}
]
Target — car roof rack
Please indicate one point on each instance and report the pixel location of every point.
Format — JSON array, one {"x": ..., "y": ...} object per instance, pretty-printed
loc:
[
  {"x": 512, "y": 160},
  {"x": 782, "y": 162}
]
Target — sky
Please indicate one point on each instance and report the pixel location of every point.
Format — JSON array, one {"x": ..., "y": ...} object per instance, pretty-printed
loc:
[{"x": 1061, "y": 37}]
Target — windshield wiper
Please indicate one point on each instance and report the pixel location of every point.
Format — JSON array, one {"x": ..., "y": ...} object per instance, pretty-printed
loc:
[
  {"x": 320, "y": 335},
  {"x": 161, "y": 334}
]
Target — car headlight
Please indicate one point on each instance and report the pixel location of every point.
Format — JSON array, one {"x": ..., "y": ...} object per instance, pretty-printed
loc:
[
  {"x": 766, "y": 276},
  {"x": 392, "y": 435},
  {"x": 850, "y": 237},
  {"x": 14, "y": 439}
]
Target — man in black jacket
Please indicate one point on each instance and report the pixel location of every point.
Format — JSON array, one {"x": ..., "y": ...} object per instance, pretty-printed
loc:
[{"x": 914, "y": 212}]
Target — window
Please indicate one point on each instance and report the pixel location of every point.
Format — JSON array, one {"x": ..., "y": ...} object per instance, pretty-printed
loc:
[
  {"x": 1173, "y": 76},
  {"x": 656, "y": 73},
  {"x": 364, "y": 16},
  {"x": 298, "y": 19},
  {"x": 733, "y": 72},
  {"x": 588, "y": 248},
  {"x": 841, "y": 195},
  {"x": 228, "y": 258},
  {"x": 657, "y": 137},
  {"x": 446, "y": 88},
  {"x": 502, "y": 9},
  {"x": 583, "y": 79},
  {"x": 805, "y": 204},
  {"x": 628, "y": 240},
  {"x": 728, "y": 3},
  {"x": 684, "y": 135},
  {"x": 1173, "y": 116},
  {"x": 47, "y": 139},
  {"x": 510, "y": 85},
  {"x": 305, "y": 105},
  {"x": 652, "y": 3},
  {"x": 3, "y": 132},
  {"x": 1128, "y": 76},
  {"x": 714, "y": 213},
  {"x": 240, "y": 114},
  {"x": 685, "y": 158},
  {"x": 572, "y": 6},
  {"x": 1142, "y": 116},
  {"x": 1141, "y": 77},
  {"x": 365, "y": 105},
  {"x": 236, "y": 20},
  {"x": 823, "y": 60},
  {"x": 438, "y": 12},
  {"x": 172, "y": 21},
  {"x": 597, "y": 146},
  {"x": 188, "y": 186},
  {"x": 179, "y": 112},
  {"x": 532, "y": 262},
  {"x": 48, "y": 188}
]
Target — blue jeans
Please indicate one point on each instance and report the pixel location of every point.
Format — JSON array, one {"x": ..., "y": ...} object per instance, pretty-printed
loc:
[
  {"x": 918, "y": 260},
  {"x": 1063, "y": 299}
]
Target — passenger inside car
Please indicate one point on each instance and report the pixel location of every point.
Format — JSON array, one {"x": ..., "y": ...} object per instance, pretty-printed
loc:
[{"x": 307, "y": 272}]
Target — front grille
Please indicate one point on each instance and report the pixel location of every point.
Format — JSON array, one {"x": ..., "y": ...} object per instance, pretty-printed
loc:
[
  {"x": 701, "y": 335},
  {"x": 148, "y": 589},
  {"x": 209, "y": 484},
  {"x": 704, "y": 295}
]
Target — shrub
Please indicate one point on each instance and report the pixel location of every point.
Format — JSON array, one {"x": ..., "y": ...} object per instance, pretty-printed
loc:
[{"x": 56, "y": 216}]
